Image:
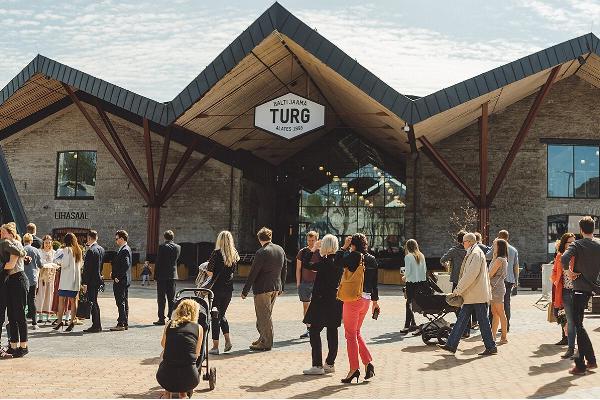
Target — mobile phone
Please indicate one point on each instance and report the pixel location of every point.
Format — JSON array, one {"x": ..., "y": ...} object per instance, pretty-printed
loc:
[{"x": 376, "y": 313}]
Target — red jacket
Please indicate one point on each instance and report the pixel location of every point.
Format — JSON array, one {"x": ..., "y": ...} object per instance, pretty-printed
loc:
[{"x": 557, "y": 280}]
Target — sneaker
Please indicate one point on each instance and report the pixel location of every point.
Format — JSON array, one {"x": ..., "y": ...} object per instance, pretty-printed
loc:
[
  {"x": 314, "y": 371},
  {"x": 118, "y": 328},
  {"x": 562, "y": 342},
  {"x": 489, "y": 352},
  {"x": 228, "y": 347},
  {"x": 577, "y": 371},
  {"x": 214, "y": 351},
  {"x": 21, "y": 352},
  {"x": 569, "y": 353},
  {"x": 159, "y": 322},
  {"x": 92, "y": 329},
  {"x": 305, "y": 335},
  {"x": 4, "y": 353},
  {"x": 328, "y": 368}
]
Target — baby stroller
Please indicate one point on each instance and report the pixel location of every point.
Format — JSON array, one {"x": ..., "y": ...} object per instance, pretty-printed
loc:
[
  {"x": 431, "y": 303},
  {"x": 204, "y": 297}
]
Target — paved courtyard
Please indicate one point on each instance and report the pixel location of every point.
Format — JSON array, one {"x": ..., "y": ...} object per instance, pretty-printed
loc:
[{"x": 123, "y": 364}]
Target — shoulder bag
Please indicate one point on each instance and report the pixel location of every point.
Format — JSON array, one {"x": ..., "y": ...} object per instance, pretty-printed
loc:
[{"x": 351, "y": 284}]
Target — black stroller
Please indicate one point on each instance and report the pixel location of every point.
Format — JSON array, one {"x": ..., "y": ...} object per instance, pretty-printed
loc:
[
  {"x": 204, "y": 297},
  {"x": 431, "y": 303}
]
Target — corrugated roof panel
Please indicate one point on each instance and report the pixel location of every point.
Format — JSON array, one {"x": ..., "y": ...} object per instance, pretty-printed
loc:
[
  {"x": 59, "y": 74},
  {"x": 527, "y": 69},
  {"x": 335, "y": 58},
  {"x": 431, "y": 104},
  {"x": 135, "y": 106},
  {"x": 128, "y": 101},
  {"x": 480, "y": 84},
  {"x": 78, "y": 80},
  {"x": 121, "y": 99},
  {"x": 551, "y": 54},
  {"x": 115, "y": 95},
  {"x": 544, "y": 61},
  {"x": 561, "y": 53},
  {"x": 570, "y": 51},
  {"x": 421, "y": 110},
  {"x": 178, "y": 105},
  {"x": 186, "y": 96},
  {"x": 246, "y": 41},
  {"x": 228, "y": 59},
  {"x": 211, "y": 76},
  {"x": 519, "y": 74},
  {"x": 150, "y": 110},
  {"x": 265, "y": 23},
  {"x": 462, "y": 92},
  {"x": 45, "y": 64},
  {"x": 313, "y": 43},
  {"x": 534, "y": 61},
  {"x": 290, "y": 26},
  {"x": 256, "y": 34},
  {"x": 219, "y": 67},
  {"x": 157, "y": 115},
  {"x": 302, "y": 35},
  {"x": 584, "y": 43},
  {"x": 325, "y": 50},
  {"x": 346, "y": 67},
  {"x": 368, "y": 82},
  {"x": 237, "y": 50},
  {"x": 471, "y": 89},
  {"x": 389, "y": 98},
  {"x": 576, "y": 48},
  {"x": 442, "y": 100},
  {"x": 490, "y": 81},
  {"x": 202, "y": 84},
  {"x": 357, "y": 74},
  {"x": 70, "y": 76},
  {"x": 143, "y": 106}
]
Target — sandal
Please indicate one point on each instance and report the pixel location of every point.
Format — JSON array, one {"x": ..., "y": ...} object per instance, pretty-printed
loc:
[{"x": 4, "y": 353}]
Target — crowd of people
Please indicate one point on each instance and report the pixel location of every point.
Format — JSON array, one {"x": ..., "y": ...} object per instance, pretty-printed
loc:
[{"x": 336, "y": 282}]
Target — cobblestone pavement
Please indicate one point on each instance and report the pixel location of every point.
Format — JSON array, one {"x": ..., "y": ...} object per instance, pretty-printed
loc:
[{"x": 123, "y": 364}]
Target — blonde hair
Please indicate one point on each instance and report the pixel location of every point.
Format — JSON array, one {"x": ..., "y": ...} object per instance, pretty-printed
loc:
[
  {"x": 27, "y": 238},
  {"x": 227, "y": 247},
  {"x": 313, "y": 234},
  {"x": 329, "y": 245},
  {"x": 412, "y": 247},
  {"x": 187, "y": 311},
  {"x": 11, "y": 228}
]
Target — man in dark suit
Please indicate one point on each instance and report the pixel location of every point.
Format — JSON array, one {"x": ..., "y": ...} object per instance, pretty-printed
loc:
[
  {"x": 121, "y": 274},
  {"x": 91, "y": 278},
  {"x": 165, "y": 273},
  {"x": 32, "y": 229},
  {"x": 267, "y": 279}
]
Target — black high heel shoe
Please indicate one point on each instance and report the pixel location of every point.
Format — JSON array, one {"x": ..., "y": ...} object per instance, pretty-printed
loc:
[
  {"x": 355, "y": 374},
  {"x": 370, "y": 371},
  {"x": 59, "y": 326},
  {"x": 70, "y": 327}
]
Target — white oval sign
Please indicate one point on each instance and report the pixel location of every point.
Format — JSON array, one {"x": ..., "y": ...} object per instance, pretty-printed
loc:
[{"x": 289, "y": 116}]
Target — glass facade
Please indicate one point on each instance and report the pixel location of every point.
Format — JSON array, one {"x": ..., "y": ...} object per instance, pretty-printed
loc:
[
  {"x": 368, "y": 200},
  {"x": 573, "y": 171},
  {"x": 561, "y": 224},
  {"x": 76, "y": 175}
]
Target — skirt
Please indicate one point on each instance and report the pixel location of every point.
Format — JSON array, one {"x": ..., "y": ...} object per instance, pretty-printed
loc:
[
  {"x": 176, "y": 379},
  {"x": 68, "y": 293}
]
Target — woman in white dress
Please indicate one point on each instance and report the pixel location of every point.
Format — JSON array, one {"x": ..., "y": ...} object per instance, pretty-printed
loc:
[
  {"x": 45, "y": 290},
  {"x": 70, "y": 261}
]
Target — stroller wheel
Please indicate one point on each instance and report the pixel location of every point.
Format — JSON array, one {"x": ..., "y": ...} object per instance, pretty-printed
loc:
[
  {"x": 212, "y": 378},
  {"x": 428, "y": 338},
  {"x": 443, "y": 334}
]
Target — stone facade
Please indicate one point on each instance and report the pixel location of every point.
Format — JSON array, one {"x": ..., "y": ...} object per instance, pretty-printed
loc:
[
  {"x": 570, "y": 111},
  {"x": 215, "y": 198}
]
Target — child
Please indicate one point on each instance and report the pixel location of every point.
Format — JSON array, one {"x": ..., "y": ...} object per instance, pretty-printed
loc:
[{"x": 146, "y": 274}]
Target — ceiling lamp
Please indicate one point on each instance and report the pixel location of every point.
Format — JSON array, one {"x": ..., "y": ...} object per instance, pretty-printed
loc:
[
  {"x": 367, "y": 202},
  {"x": 370, "y": 204},
  {"x": 351, "y": 190},
  {"x": 336, "y": 178},
  {"x": 344, "y": 184},
  {"x": 396, "y": 197},
  {"x": 390, "y": 190},
  {"x": 328, "y": 173},
  {"x": 361, "y": 197},
  {"x": 321, "y": 168},
  {"x": 387, "y": 184},
  {"x": 374, "y": 168}
]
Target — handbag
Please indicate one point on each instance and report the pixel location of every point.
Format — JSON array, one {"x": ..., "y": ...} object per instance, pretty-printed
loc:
[
  {"x": 351, "y": 284},
  {"x": 84, "y": 306},
  {"x": 551, "y": 315}
]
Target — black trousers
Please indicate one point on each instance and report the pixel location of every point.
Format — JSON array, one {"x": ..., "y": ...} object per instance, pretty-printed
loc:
[
  {"x": 584, "y": 345},
  {"x": 221, "y": 302},
  {"x": 3, "y": 299},
  {"x": 17, "y": 286},
  {"x": 411, "y": 291},
  {"x": 31, "y": 310},
  {"x": 92, "y": 295},
  {"x": 165, "y": 291},
  {"x": 121, "y": 292},
  {"x": 317, "y": 347}
]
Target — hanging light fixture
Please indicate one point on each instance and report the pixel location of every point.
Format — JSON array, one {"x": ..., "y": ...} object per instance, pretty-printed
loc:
[
  {"x": 390, "y": 190},
  {"x": 361, "y": 197},
  {"x": 336, "y": 178},
  {"x": 387, "y": 184},
  {"x": 351, "y": 190},
  {"x": 321, "y": 168},
  {"x": 344, "y": 184},
  {"x": 328, "y": 173}
]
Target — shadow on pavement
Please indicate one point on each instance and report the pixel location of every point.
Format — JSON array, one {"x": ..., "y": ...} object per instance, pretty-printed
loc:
[
  {"x": 551, "y": 367},
  {"x": 389, "y": 337},
  {"x": 554, "y": 388},
  {"x": 282, "y": 383},
  {"x": 418, "y": 349},
  {"x": 323, "y": 392},
  {"x": 473, "y": 351},
  {"x": 150, "y": 361},
  {"x": 546, "y": 349},
  {"x": 53, "y": 333},
  {"x": 153, "y": 393},
  {"x": 447, "y": 362}
]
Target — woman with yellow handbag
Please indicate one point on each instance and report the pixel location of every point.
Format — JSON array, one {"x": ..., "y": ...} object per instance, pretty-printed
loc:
[{"x": 358, "y": 289}]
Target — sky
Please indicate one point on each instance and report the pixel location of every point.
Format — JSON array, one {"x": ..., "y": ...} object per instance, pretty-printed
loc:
[{"x": 155, "y": 48}]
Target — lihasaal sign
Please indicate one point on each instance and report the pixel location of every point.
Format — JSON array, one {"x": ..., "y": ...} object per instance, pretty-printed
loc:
[{"x": 289, "y": 116}]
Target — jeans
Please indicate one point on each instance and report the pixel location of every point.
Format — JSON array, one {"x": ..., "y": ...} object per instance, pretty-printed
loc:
[
  {"x": 464, "y": 319},
  {"x": 353, "y": 315},
  {"x": 121, "y": 292},
  {"x": 165, "y": 290},
  {"x": 221, "y": 302},
  {"x": 584, "y": 345},
  {"x": 567, "y": 298},
  {"x": 263, "y": 306},
  {"x": 17, "y": 286},
  {"x": 473, "y": 317},
  {"x": 317, "y": 347}
]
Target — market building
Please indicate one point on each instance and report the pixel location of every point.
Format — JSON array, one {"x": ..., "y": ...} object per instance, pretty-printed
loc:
[{"x": 284, "y": 129}]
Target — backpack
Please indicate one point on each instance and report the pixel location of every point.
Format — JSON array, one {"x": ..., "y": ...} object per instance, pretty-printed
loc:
[{"x": 351, "y": 284}]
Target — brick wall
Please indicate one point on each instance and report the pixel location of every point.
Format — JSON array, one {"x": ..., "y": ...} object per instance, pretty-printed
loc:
[
  {"x": 521, "y": 206},
  {"x": 196, "y": 213}
]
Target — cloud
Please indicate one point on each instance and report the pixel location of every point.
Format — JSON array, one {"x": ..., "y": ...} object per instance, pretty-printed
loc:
[{"x": 573, "y": 16}]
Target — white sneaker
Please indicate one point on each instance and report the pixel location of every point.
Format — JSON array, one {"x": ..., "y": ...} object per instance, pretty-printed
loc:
[
  {"x": 328, "y": 368},
  {"x": 314, "y": 371},
  {"x": 214, "y": 352}
]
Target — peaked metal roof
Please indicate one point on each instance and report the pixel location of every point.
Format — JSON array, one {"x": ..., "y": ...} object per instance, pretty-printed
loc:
[{"x": 276, "y": 18}]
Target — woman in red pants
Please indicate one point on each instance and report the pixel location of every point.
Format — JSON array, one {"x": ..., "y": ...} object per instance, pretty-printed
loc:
[{"x": 353, "y": 256}]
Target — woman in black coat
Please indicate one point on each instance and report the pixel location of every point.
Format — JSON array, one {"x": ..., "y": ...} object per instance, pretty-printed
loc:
[{"x": 324, "y": 311}]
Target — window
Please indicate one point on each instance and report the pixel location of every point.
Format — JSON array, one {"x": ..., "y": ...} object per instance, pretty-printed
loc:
[
  {"x": 573, "y": 171},
  {"x": 76, "y": 175}
]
